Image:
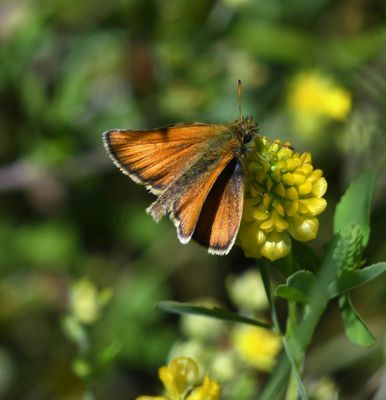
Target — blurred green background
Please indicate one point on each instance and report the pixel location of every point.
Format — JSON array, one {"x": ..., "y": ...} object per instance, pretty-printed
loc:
[{"x": 81, "y": 263}]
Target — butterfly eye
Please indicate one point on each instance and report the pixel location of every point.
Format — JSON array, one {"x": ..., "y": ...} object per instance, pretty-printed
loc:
[{"x": 247, "y": 138}]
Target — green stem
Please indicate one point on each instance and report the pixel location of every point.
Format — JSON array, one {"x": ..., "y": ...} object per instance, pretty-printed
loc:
[
  {"x": 292, "y": 389},
  {"x": 269, "y": 294},
  {"x": 287, "y": 348},
  {"x": 292, "y": 320}
]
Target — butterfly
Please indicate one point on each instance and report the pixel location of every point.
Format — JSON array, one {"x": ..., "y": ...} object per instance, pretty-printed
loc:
[{"x": 194, "y": 170}]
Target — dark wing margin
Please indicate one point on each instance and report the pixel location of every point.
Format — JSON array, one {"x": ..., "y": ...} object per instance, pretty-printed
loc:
[{"x": 220, "y": 217}]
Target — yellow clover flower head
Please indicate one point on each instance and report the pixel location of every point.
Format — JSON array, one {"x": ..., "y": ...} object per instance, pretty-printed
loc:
[
  {"x": 257, "y": 346},
  {"x": 283, "y": 196},
  {"x": 181, "y": 380},
  {"x": 312, "y": 92}
]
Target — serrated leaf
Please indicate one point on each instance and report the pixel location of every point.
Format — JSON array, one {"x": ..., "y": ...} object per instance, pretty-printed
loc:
[
  {"x": 290, "y": 294},
  {"x": 355, "y": 328},
  {"x": 354, "y": 206},
  {"x": 302, "y": 280},
  {"x": 213, "y": 312},
  {"x": 297, "y": 287},
  {"x": 352, "y": 279}
]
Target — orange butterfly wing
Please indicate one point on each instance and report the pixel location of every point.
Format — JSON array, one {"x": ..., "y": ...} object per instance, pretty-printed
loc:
[
  {"x": 187, "y": 208},
  {"x": 156, "y": 158},
  {"x": 220, "y": 216}
]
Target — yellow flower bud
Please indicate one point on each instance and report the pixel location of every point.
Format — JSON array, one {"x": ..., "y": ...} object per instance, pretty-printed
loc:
[
  {"x": 280, "y": 190},
  {"x": 260, "y": 214},
  {"x": 312, "y": 206},
  {"x": 319, "y": 187},
  {"x": 305, "y": 188},
  {"x": 278, "y": 208},
  {"x": 292, "y": 193},
  {"x": 304, "y": 229},
  {"x": 276, "y": 245}
]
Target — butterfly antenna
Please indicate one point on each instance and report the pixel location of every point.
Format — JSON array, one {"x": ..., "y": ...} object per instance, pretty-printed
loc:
[{"x": 239, "y": 90}]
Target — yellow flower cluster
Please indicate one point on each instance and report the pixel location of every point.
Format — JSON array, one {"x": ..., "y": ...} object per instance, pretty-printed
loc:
[
  {"x": 283, "y": 196},
  {"x": 314, "y": 93},
  {"x": 181, "y": 380},
  {"x": 257, "y": 346}
]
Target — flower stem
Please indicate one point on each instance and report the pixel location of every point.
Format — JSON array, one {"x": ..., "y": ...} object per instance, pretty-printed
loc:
[
  {"x": 269, "y": 294},
  {"x": 292, "y": 320}
]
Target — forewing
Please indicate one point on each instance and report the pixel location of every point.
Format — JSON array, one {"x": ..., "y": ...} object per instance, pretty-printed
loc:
[
  {"x": 156, "y": 158},
  {"x": 220, "y": 216}
]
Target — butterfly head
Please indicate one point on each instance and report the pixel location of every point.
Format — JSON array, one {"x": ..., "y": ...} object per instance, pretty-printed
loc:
[{"x": 245, "y": 129}]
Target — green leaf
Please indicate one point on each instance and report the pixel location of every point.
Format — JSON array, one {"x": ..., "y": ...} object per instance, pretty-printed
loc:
[
  {"x": 355, "y": 328},
  {"x": 297, "y": 287},
  {"x": 264, "y": 271},
  {"x": 290, "y": 294},
  {"x": 354, "y": 206},
  {"x": 214, "y": 312},
  {"x": 278, "y": 378},
  {"x": 301, "y": 280},
  {"x": 352, "y": 279}
]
